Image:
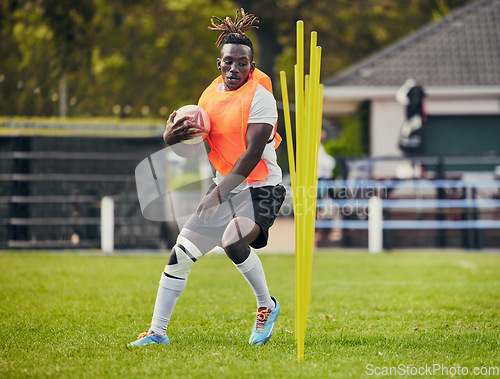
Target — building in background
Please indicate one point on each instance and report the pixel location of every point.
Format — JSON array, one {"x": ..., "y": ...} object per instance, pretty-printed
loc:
[{"x": 457, "y": 61}]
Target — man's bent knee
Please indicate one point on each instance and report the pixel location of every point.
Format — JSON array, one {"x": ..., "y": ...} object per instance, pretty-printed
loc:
[
  {"x": 240, "y": 230},
  {"x": 182, "y": 258},
  {"x": 238, "y": 252}
]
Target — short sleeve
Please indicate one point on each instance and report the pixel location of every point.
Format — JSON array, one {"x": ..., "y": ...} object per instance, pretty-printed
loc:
[{"x": 263, "y": 108}]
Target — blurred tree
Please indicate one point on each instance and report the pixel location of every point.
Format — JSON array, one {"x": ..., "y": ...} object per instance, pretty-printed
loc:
[
  {"x": 150, "y": 57},
  {"x": 10, "y": 58},
  {"x": 68, "y": 20},
  {"x": 46, "y": 41},
  {"x": 18, "y": 84},
  {"x": 145, "y": 58}
]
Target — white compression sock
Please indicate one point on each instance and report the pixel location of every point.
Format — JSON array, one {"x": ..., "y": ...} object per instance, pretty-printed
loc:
[
  {"x": 169, "y": 291},
  {"x": 253, "y": 272}
]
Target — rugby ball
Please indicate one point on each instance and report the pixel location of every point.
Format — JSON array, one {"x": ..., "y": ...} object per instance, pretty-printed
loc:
[{"x": 198, "y": 116}]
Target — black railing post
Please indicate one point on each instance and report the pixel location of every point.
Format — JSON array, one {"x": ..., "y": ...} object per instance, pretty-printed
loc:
[
  {"x": 478, "y": 234},
  {"x": 468, "y": 234},
  {"x": 19, "y": 188},
  {"x": 441, "y": 195}
]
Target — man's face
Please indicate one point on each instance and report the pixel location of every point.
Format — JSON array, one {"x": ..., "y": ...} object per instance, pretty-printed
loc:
[{"x": 235, "y": 64}]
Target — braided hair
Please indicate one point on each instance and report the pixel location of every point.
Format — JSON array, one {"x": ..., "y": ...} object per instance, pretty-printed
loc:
[{"x": 234, "y": 31}]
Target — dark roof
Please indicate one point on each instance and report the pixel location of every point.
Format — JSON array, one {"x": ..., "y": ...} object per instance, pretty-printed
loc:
[{"x": 462, "y": 49}]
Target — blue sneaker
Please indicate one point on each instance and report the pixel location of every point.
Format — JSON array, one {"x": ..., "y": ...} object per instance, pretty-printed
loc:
[
  {"x": 264, "y": 324},
  {"x": 148, "y": 338}
]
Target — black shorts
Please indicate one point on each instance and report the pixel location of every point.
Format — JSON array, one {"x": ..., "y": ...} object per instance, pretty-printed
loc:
[{"x": 260, "y": 204}]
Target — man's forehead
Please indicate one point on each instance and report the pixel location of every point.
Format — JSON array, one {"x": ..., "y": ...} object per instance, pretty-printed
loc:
[{"x": 236, "y": 50}]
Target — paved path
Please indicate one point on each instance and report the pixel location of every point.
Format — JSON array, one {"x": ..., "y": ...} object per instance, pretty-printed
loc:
[{"x": 281, "y": 237}]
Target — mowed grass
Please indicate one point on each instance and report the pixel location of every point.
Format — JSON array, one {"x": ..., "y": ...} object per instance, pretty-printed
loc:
[{"x": 71, "y": 314}]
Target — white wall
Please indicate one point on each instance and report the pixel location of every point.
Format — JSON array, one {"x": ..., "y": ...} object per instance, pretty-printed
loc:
[{"x": 387, "y": 116}]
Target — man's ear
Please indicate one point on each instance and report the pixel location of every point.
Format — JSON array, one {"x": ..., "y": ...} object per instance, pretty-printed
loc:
[
  {"x": 252, "y": 67},
  {"x": 218, "y": 63}
]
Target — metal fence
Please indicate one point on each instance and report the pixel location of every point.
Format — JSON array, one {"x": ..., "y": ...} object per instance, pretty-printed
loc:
[
  {"x": 416, "y": 213},
  {"x": 51, "y": 190}
]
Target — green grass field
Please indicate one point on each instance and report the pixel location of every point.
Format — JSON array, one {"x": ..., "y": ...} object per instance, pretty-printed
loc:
[{"x": 71, "y": 314}]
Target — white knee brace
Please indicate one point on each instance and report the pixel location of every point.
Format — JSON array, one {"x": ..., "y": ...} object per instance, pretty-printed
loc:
[{"x": 186, "y": 254}]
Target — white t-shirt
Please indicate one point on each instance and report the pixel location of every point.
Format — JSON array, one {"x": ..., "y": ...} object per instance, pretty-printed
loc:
[{"x": 263, "y": 110}]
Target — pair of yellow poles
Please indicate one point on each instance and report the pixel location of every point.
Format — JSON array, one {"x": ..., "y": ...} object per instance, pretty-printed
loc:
[{"x": 303, "y": 171}]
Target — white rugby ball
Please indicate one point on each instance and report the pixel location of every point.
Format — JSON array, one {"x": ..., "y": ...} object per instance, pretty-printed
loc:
[{"x": 197, "y": 115}]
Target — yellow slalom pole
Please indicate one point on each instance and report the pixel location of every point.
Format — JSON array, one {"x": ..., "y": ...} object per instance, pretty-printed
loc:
[
  {"x": 298, "y": 199},
  {"x": 297, "y": 205},
  {"x": 318, "y": 115},
  {"x": 304, "y": 148},
  {"x": 311, "y": 92},
  {"x": 319, "y": 109},
  {"x": 308, "y": 106},
  {"x": 299, "y": 76},
  {"x": 299, "y": 102},
  {"x": 306, "y": 207},
  {"x": 315, "y": 131},
  {"x": 288, "y": 130}
]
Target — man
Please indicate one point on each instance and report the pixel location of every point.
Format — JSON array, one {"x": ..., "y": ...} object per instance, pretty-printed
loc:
[
  {"x": 241, "y": 206},
  {"x": 412, "y": 96}
]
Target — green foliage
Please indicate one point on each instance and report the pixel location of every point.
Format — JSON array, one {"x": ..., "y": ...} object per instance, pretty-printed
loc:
[
  {"x": 143, "y": 59},
  {"x": 71, "y": 314},
  {"x": 354, "y": 135},
  {"x": 349, "y": 142},
  {"x": 125, "y": 58}
]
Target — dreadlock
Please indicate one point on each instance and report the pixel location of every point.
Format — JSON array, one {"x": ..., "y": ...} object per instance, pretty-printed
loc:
[{"x": 234, "y": 31}]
